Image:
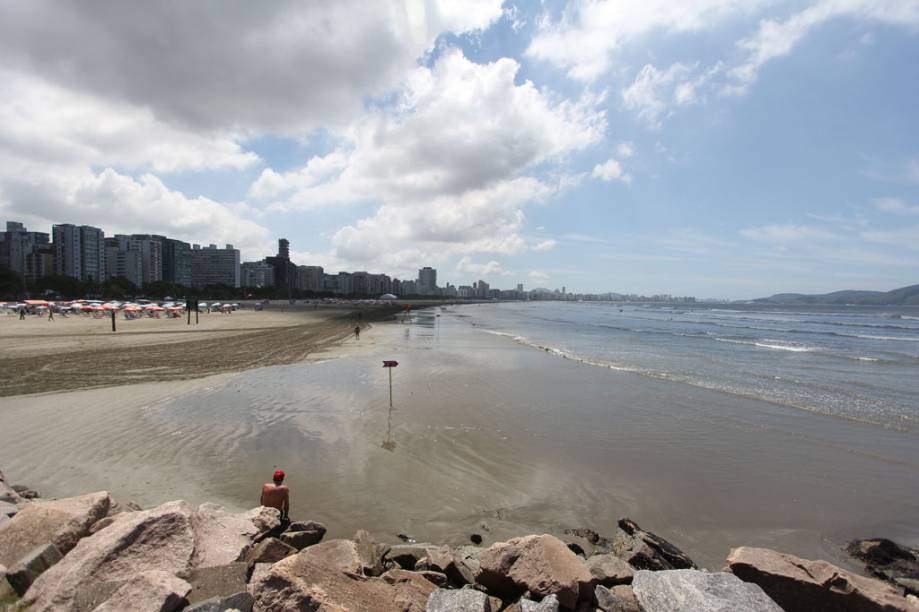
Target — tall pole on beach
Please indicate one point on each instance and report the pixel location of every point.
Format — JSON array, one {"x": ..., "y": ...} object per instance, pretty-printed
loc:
[
  {"x": 388, "y": 444},
  {"x": 390, "y": 385}
]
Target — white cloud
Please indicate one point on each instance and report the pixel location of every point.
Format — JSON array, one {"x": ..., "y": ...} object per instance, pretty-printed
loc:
[
  {"x": 784, "y": 234},
  {"x": 44, "y": 124},
  {"x": 625, "y": 149},
  {"x": 544, "y": 245},
  {"x": 122, "y": 204},
  {"x": 584, "y": 40},
  {"x": 776, "y": 38},
  {"x": 538, "y": 276},
  {"x": 904, "y": 237},
  {"x": 234, "y": 65},
  {"x": 448, "y": 164},
  {"x": 492, "y": 268},
  {"x": 655, "y": 93},
  {"x": 610, "y": 170},
  {"x": 896, "y": 206}
]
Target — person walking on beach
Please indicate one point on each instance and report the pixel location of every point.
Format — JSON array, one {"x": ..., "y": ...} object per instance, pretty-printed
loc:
[
  {"x": 22, "y": 313},
  {"x": 277, "y": 495},
  {"x": 50, "y": 314},
  {"x": 357, "y": 332}
]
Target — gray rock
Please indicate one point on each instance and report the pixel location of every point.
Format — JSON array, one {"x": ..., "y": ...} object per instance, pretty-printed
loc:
[
  {"x": 150, "y": 591},
  {"x": 270, "y": 550},
  {"x": 540, "y": 564},
  {"x": 157, "y": 539},
  {"x": 889, "y": 561},
  {"x": 221, "y": 537},
  {"x": 548, "y": 604},
  {"x": 406, "y": 556},
  {"x": 264, "y": 518},
  {"x": 802, "y": 585},
  {"x": 618, "y": 599},
  {"x": 220, "y": 581},
  {"x": 4, "y": 519},
  {"x": 305, "y": 534},
  {"x": 644, "y": 550},
  {"x": 462, "y": 600},
  {"x": 698, "y": 591},
  {"x": 26, "y": 492},
  {"x": 62, "y": 522},
  {"x": 238, "y": 601},
  {"x": 370, "y": 552},
  {"x": 327, "y": 577},
  {"x": 8, "y": 508},
  {"x": 609, "y": 570},
  {"x": 102, "y": 523},
  {"x": 31, "y": 566},
  {"x": 443, "y": 559},
  {"x": 436, "y": 578}
]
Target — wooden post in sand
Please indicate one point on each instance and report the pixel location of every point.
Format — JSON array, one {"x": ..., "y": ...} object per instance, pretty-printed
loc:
[
  {"x": 390, "y": 365},
  {"x": 113, "y": 320},
  {"x": 388, "y": 443}
]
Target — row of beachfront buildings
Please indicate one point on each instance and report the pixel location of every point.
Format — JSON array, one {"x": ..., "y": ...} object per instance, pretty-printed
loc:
[{"x": 85, "y": 253}]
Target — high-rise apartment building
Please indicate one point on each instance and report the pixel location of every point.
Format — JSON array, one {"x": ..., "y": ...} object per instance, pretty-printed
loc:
[
  {"x": 256, "y": 274},
  {"x": 123, "y": 259},
  {"x": 79, "y": 251},
  {"x": 311, "y": 278},
  {"x": 19, "y": 251},
  {"x": 427, "y": 281},
  {"x": 213, "y": 266}
]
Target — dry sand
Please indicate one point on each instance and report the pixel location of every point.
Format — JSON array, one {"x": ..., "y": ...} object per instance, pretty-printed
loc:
[{"x": 77, "y": 352}]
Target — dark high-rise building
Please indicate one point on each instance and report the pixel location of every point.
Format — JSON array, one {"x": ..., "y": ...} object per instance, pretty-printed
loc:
[{"x": 284, "y": 248}]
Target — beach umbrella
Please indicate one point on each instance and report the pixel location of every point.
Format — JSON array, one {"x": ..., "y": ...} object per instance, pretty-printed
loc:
[
  {"x": 37, "y": 302},
  {"x": 109, "y": 307}
]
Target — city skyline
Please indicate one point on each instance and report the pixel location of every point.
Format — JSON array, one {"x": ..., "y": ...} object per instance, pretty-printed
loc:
[{"x": 728, "y": 150}]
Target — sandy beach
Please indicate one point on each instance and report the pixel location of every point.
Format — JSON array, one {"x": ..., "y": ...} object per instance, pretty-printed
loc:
[
  {"x": 487, "y": 436},
  {"x": 78, "y": 352}
]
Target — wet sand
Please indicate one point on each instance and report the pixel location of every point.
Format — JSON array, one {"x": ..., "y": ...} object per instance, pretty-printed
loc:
[
  {"x": 78, "y": 352},
  {"x": 487, "y": 436}
]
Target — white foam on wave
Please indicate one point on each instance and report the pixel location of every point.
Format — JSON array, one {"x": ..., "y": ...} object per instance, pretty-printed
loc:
[
  {"x": 893, "y": 338},
  {"x": 786, "y": 347}
]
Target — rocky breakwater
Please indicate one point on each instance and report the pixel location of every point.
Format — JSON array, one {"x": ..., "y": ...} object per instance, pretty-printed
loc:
[{"x": 91, "y": 553}]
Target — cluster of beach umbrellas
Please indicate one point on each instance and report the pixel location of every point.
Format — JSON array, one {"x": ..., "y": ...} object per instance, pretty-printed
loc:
[{"x": 98, "y": 308}]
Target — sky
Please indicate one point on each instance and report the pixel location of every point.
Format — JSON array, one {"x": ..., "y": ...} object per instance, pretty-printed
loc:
[{"x": 715, "y": 148}]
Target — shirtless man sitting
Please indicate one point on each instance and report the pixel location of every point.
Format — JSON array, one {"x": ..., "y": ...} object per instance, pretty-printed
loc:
[{"x": 277, "y": 496}]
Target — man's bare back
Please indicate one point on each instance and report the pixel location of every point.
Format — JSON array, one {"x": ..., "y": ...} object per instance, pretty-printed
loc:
[{"x": 276, "y": 495}]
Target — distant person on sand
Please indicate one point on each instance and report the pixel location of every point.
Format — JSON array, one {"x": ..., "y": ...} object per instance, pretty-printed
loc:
[
  {"x": 50, "y": 315},
  {"x": 22, "y": 313},
  {"x": 277, "y": 495},
  {"x": 357, "y": 332}
]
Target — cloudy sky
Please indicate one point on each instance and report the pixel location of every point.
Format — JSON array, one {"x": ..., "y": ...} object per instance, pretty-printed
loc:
[{"x": 718, "y": 148}]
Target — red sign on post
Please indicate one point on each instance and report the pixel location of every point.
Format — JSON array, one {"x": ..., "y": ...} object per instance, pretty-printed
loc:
[{"x": 390, "y": 364}]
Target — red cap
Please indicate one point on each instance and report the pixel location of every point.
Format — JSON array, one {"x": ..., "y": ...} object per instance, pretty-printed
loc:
[{"x": 279, "y": 474}]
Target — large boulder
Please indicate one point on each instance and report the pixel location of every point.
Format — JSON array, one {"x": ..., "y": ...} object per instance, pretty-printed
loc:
[
  {"x": 620, "y": 598},
  {"x": 238, "y": 602},
  {"x": 303, "y": 533},
  {"x": 609, "y": 570},
  {"x": 444, "y": 560},
  {"x": 677, "y": 590},
  {"x": 150, "y": 591},
  {"x": 215, "y": 581},
  {"x": 264, "y": 518},
  {"x": 405, "y": 556},
  {"x": 540, "y": 564},
  {"x": 370, "y": 552},
  {"x": 269, "y": 550},
  {"x": 644, "y": 550},
  {"x": 462, "y": 600},
  {"x": 548, "y": 604},
  {"x": 61, "y": 522},
  {"x": 888, "y": 560},
  {"x": 801, "y": 585},
  {"x": 31, "y": 566},
  {"x": 221, "y": 537},
  {"x": 159, "y": 539},
  {"x": 329, "y": 576}
]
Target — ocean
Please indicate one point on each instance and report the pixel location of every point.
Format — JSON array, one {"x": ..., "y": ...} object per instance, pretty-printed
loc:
[
  {"x": 792, "y": 429},
  {"x": 854, "y": 362}
]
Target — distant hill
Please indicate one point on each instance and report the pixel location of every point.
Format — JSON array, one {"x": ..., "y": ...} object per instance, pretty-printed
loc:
[{"x": 897, "y": 297}]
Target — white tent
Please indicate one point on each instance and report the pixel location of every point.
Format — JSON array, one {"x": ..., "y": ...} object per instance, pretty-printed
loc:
[{"x": 388, "y": 296}]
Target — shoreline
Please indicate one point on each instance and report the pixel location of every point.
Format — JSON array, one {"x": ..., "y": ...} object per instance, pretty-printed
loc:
[
  {"x": 81, "y": 552},
  {"x": 91, "y": 357}
]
